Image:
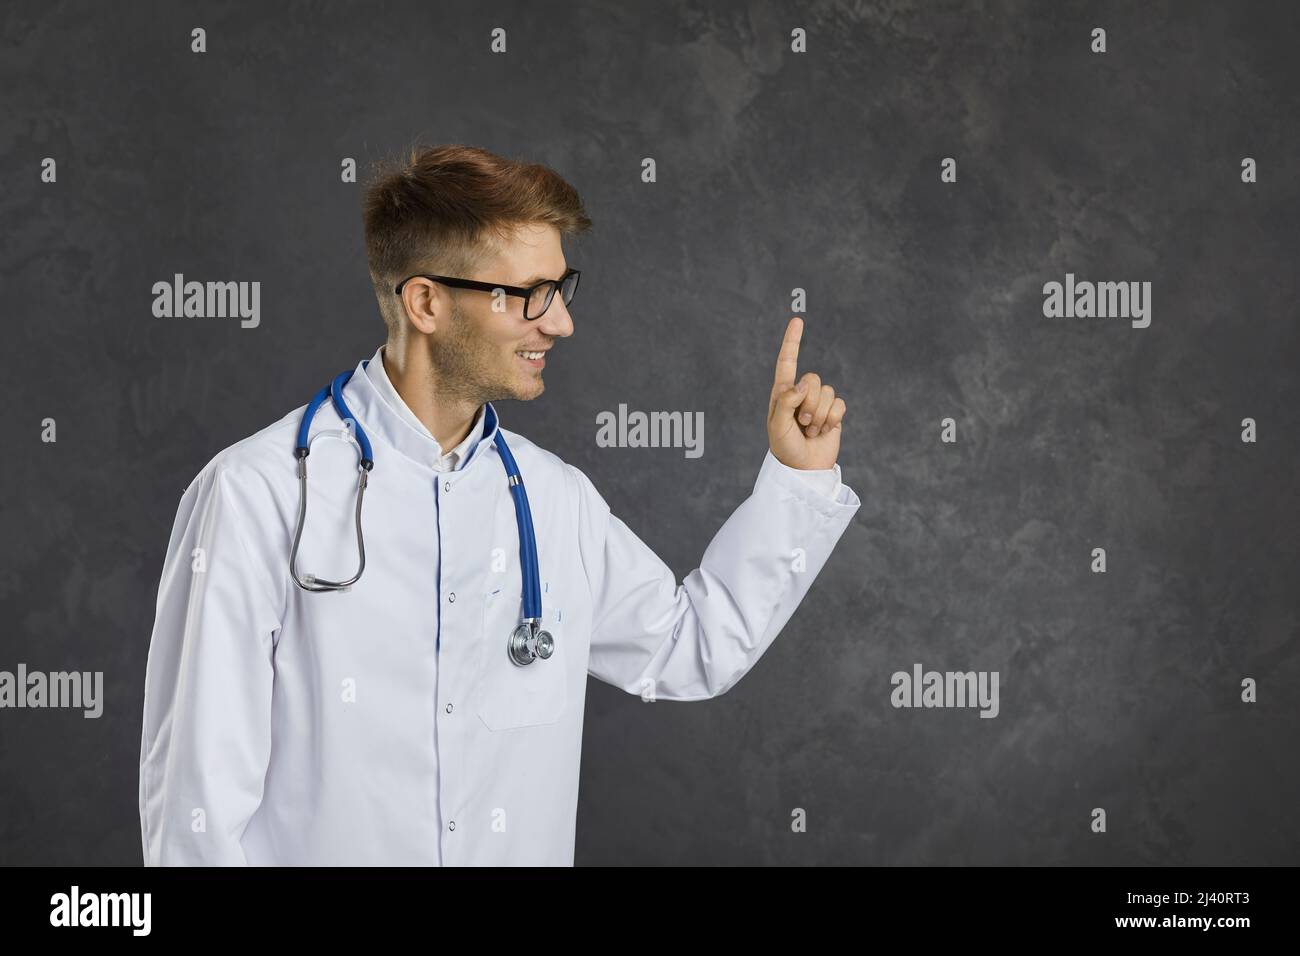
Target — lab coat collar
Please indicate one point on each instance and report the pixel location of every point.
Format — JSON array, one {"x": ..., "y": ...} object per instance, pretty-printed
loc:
[{"x": 381, "y": 421}]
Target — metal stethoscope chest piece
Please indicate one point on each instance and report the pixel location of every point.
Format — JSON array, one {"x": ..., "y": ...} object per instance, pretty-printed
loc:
[{"x": 527, "y": 642}]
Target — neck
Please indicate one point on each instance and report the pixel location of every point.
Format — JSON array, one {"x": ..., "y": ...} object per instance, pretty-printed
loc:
[{"x": 447, "y": 416}]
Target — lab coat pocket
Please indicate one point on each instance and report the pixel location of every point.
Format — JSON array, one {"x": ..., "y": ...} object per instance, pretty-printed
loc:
[{"x": 510, "y": 695}]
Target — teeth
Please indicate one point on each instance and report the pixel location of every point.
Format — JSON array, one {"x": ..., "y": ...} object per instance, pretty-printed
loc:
[{"x": 531, "y": 355}]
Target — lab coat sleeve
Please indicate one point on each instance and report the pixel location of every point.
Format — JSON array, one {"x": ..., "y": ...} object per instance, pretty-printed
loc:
[
  {"x": 825, "y": 480},
  {"x": 695, "y": 640},
  {"x": 206, "y": 737}
]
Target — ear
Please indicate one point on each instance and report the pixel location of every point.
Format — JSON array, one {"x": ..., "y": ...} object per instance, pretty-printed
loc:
[{"x": 422, "y": 304}]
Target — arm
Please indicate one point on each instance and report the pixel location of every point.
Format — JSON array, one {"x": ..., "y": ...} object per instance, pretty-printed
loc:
[
  {"x": 696, "y": 640},
  {"x": 207, "y": 703}
]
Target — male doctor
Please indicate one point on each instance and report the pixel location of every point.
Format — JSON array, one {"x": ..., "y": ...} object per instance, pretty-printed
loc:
[{"x": 387, "y": 724}]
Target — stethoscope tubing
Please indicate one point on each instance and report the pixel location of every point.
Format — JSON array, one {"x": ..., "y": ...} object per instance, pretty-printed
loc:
[
  {"x": 528, "y": 563},
  {"x": 527, "y": 543}
]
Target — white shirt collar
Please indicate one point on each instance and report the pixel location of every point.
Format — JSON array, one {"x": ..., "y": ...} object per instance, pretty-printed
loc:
[{"x": 384, "y": 386}]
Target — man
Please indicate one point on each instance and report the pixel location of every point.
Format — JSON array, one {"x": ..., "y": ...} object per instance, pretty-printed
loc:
[{"x": 388, "y": 723}]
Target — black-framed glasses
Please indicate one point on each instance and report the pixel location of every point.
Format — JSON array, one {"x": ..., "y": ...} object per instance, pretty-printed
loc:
[{"x": 537, "y": 298}]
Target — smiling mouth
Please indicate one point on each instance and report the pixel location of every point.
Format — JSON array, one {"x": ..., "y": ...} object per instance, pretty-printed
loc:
[{"x": 533, "y": 358}]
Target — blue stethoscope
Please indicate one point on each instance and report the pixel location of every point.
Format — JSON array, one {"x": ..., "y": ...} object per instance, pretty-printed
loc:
[{"x": 527, "y": 641}]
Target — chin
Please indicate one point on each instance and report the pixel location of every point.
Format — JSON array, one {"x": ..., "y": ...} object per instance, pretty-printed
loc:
[{"x": 524, "y": 391}]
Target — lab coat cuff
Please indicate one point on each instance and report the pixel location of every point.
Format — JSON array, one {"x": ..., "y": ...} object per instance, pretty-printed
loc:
[
  {"x": 773, "y": 472},
  {"x": 825, "y": 480}
]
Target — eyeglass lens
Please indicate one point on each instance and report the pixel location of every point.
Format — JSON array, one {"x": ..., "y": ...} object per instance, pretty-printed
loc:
[{"x": 540, "y": 299}]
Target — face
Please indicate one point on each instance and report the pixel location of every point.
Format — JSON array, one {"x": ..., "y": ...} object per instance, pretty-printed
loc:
[{"x": 479, "y": 347}]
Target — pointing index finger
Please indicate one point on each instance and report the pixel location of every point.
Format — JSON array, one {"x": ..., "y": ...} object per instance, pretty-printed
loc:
[{"x": 788, "y": 360}]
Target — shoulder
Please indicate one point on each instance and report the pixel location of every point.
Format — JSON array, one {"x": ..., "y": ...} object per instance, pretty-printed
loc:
[
  {"x": 537, "y": 462},
  {"x": 260, "y": 461},
  {"x": 534, "y": 461}
]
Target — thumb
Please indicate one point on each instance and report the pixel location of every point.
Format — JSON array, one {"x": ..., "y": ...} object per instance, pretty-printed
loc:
[{"x": 792, "y": 396}]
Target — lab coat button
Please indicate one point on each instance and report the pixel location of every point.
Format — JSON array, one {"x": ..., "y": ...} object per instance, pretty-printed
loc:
[
  {"x": 446, "y": 486},
  {"x": 452, "y": 597},
  {"x": 449, "y": 708},
  {"x": 451, "y": 825}
]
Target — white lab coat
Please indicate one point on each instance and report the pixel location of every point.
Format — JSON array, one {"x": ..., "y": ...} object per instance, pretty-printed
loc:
[{"x": 386, "y": 724}]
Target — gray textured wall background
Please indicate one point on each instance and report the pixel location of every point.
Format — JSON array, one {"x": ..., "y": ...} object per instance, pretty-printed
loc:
[{"x": 776, "y": 170}]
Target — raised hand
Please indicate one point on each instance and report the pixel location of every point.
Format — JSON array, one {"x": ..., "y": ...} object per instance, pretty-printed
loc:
[{"x": 803, "y": 420}]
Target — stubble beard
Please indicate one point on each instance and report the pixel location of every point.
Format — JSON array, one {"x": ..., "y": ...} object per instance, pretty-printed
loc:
[{"x": 465, "y": 367}]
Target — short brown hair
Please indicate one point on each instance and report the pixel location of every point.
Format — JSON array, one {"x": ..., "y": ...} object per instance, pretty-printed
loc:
[{"x": 439, "y": 208}]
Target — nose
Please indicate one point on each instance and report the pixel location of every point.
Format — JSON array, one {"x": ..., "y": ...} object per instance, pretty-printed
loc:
[{"x": 556, "y": 320}]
